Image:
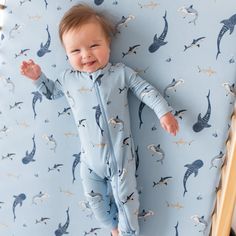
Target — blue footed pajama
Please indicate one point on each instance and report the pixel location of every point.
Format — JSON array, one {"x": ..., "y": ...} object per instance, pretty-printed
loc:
[{"x": 99, "y": 102}]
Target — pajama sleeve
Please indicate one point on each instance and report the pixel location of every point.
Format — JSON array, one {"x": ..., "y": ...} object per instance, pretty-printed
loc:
[
  {"x": 146, "y": 93},
  {"x": 49, "y": 88}
]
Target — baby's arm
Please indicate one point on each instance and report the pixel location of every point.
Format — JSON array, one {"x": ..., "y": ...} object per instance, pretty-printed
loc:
[
  {"x": 152, "y": 98},
  {"x": 49, "y": 88}
]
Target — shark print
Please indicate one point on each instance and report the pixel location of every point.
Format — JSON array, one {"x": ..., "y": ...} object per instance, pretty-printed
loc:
[
  {"x": 129, "y": 198},
  {"x": 62, "y": 229},
  {"x": 22, "y": 52},
  {"x": 8, "y": 156},
  {"x": 163, "y": 180},
  {"x": 16, "y": 105},
  {"x": 98, "y": 2},
  {"x": 200, "y": 221},
  {"x": 185, "y": 11},
  {"x": 131, "y": 50},
  {"x": 9, "y": 83},
  {"x": 218, "y": 157},
  {"x": 92, "y": 231},
  {"x": 46, "y": 4},
  {"x": 202, "y": 122},
  {"x": 180, "y": 113},
  {"x": 230, "y": 89},
  {"x": 29, "y": 157},
  {"x": 97, "y": 195},
  {"x": 151, "y": 5},
  {"x": 124, "y": 21},
  {"x": 157, "y": 150},
  {"x": 192, "y": 169},
  {"x": 39, "y": 197},
  {"x": 42, "y": 220},
  {"x": 144, "y": 214},
  {"x": 45, "y": 48},
  {"x": 48, "y": 94},
  {"x": 195, "y": 43},
  {"x": 18, "y": 201},
  {"x": 98, "y": 114},
  {"x": 75, "y": 163},
  {"x": 140, "y": 109},
  {"x": 116, "y": 121},
  {"x": 66, "y": 110},
  {"x": 37, "y": 97},
  {"x": 51, "y": 141},
  {"x": 159, "y": 42},
  {"x": 176, "y": 229},
  {"x": 228, "y": 24},
  {"x": 55, "y": 167},
  {"x": 172, "y": 86}
]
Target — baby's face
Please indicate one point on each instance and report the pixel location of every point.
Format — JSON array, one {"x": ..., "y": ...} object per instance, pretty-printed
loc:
[{"x": 87, "y": 47}]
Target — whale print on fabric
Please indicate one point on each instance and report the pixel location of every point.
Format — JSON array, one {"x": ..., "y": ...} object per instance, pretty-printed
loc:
[
  {"x": 29, "y": 157},
  {"x": 45, "y": 48},
  {"x": 98, "y": 2},
  {"x": 63, "y": 229},
  {"x": 158, "y": 42},
  {"x": 192, "y": 169},
  {"x": 37, "y": 97},
  {"x": 18, "y": 201},
  {"x": 229, "y": 24},
  {"x": 75, "y": 163},
  {"x": 98, "y": 114},
  {"x": 202, "y": 122}
]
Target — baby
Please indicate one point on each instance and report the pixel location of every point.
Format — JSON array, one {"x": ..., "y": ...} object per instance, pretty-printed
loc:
[{"x": 97, "y": 93}]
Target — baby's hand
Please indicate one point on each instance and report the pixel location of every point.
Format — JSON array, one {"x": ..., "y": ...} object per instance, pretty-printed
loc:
[
  {"x": 30, "y": 69},
  {"x": 169, "y": 123}
]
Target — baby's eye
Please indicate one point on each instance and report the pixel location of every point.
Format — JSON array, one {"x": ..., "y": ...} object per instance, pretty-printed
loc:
[
  {"x": 75, "y": 51},
  {"x": 94, "y": 45}
]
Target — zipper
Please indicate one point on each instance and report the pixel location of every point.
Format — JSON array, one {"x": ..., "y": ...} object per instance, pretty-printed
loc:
[{"x": 112, "y": 154}]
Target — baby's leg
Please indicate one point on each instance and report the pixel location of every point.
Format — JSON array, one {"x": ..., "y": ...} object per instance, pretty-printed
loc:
[
  {"x": 100, "y": 201},
  {"x": 127, "y": 199}
]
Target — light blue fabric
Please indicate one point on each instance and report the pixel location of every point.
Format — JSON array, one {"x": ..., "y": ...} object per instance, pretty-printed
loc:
[{"x": 175, "y": 46}]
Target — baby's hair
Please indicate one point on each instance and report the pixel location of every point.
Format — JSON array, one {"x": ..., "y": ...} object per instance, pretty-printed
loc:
[{"x": 81, "y": 14}]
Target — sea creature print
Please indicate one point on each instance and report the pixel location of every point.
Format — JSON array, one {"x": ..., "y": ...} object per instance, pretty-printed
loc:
[
  {"x": 39, "y": 197},
  {"x": 228, "y": 24},
  {"x": 209, "y": 71},
  {"x": 202, "y": 122},
  {"x": 51, "y": 141},
  {"x": 75, "y": 163},
  {"x": 174, "y": 205},
  {"x": 180, "y": 113},
  {"x": 71, "y": 98},
  {"x": 132, "y": 49},
  {"x": 37, "y": 97},
  {"x": 45, "y": 48},
  {"x": 140, "y": 110},
  {"x": 9, "y": 83},
  {"x": 163, "y": 180},
  {"x": 150, "y": 5},
  {"x": 189, "y": 11},
  {"x": 157, "y": 150},
  {"x": 29, "y": 157},
  {"x": 98, "y": 2},
  {"x": 98, "y": 114},
  {"x": 230, "y": 88},
  {"x": 97, "y": 195},
  {"x": 62, "y": 229},
  {"x": 159, "y": 41},
  {"x": 218, "y": 157},
  {"x": 66, "y": 110},
  {"x": 16, "y": 105},
  {"x": 42, "y": 220},
  {"x": 172, "y": 86},
  {"x": 117, "y": 121},
  {"x": 123, "y": 22},
  {"x": 48, "y": 94},
  {"x": 18, "y": 201},
  {"x": 92, "y": 231},
  {"x": 200, "y": 221},
  {"x": 195, "y": 43},
  {"x": 192, "y": 168},
  {"x": 176, "y": 229},
  {"x": 22, "y": 52},
  {"x": 8, "y": 156},
  {"x": 55, "y": 167},
  {"x": 46, "y": 4},
  {"x": 145, "y": 213},
  {"x": 128, "y": 198}
]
